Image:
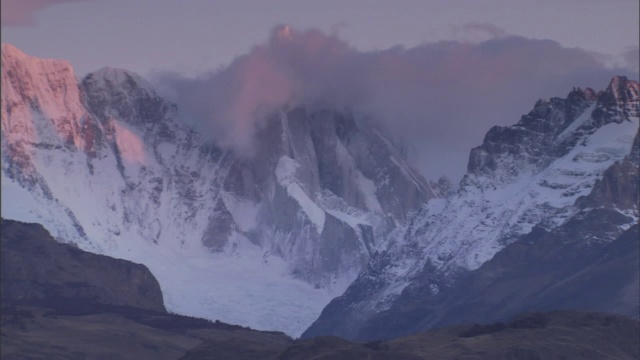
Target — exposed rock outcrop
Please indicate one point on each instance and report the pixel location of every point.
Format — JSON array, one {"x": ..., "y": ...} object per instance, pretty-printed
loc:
[{"x": 36, "y": 269}]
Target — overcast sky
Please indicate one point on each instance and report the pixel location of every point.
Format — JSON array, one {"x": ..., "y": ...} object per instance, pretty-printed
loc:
[{"x": 388, "y": 58}]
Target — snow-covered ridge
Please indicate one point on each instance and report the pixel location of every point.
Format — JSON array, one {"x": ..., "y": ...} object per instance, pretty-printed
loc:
[
  {"x": 521, "y": 184},
  {"x": 529, "y": 174}
]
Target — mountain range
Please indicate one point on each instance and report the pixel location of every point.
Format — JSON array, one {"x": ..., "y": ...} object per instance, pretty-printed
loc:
[
  {"x": 326, "y": 210},
  {"x": 543, "y": 202},
  {"x": 107, "y": 164}
]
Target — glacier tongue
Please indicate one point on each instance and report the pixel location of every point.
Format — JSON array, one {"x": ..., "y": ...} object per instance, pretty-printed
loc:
[{"x": 264, "y": 240}]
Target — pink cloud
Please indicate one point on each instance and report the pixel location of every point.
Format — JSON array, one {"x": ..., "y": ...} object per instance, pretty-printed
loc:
[
  {"x": 442, "y": 97},
  {"x": 22, "y": 12}
]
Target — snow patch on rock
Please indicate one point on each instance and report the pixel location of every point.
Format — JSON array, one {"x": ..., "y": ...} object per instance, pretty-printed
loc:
[{"x": 285, "y": 173}]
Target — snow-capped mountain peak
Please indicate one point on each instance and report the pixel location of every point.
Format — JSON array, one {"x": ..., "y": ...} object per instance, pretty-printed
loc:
[
  {"x": 110, "y": 165},
  {"x": 523, "y": 176},
  {"x": 32, "y": 86},
  {"x": 620, "y": 99}
]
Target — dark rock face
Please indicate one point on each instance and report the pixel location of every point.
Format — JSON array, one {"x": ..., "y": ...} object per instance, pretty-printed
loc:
[
  {"x": 634, "y": 157},
  {"x": 616, "y": 188},
  {"x": 36, "y": 269},
  {"x": 535, "y": 139},
  {"x": 619, "y": 100},
  {"x": 127, "y": 99},
  {"x": 612, "y": 190}
]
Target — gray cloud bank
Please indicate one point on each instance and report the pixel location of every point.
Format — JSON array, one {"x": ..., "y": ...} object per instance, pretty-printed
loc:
[{"x": 440, "y": 97}]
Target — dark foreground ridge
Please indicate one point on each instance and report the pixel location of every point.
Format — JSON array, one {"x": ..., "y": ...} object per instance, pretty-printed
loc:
[
  {"x": 556, "y": 335},
  {"x": 59, "y": 302},
  {"x": 38, "y": 270},
  {"x": 46, "y": 314}
]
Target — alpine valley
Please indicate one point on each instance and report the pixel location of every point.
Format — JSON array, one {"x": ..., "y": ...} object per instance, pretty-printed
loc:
[{"x": 327, "y": 212}]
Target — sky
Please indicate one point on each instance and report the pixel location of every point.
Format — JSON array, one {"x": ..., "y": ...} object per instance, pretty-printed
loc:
[{"x": 438, "y": 74}]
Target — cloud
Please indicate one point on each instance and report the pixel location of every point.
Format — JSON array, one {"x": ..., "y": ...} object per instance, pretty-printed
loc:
[
  {"x": 22, "y": 12},
  {"x": 478, "y": 32},
  {"x": 631, "y": 58},
  {"x": 439, "y": 97}
]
